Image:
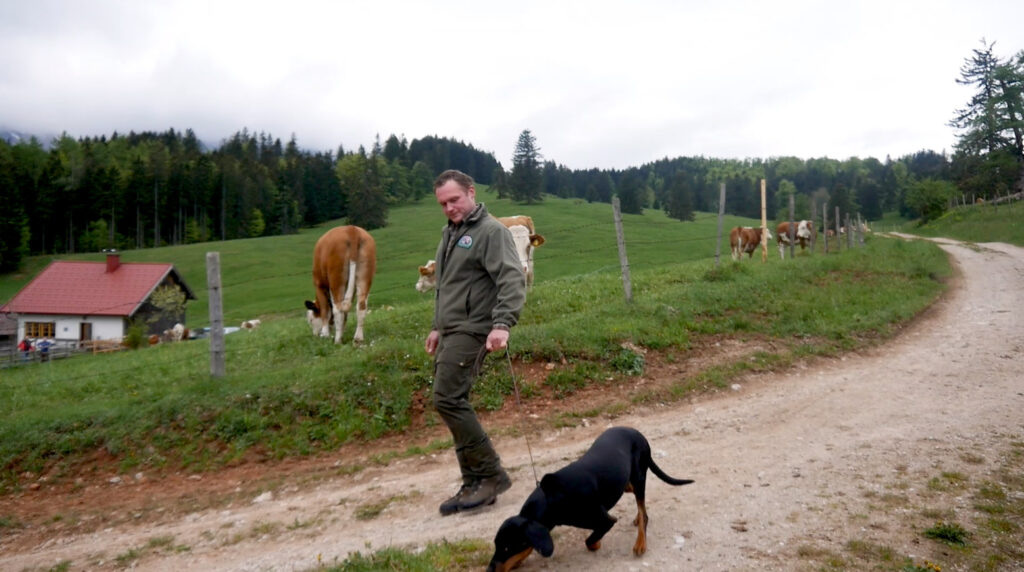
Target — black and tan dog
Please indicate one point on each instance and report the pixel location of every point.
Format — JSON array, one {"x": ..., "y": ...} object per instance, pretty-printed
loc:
[{"x": 580, "y": 495}]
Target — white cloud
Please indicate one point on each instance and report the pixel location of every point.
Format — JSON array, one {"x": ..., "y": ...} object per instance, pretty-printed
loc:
[{"x": 600, "y": 84}]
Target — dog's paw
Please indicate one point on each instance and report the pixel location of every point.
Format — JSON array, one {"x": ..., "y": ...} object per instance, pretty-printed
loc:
[
  {"x": 639, "y": 548},
  {"x": 594, "y": 547}
]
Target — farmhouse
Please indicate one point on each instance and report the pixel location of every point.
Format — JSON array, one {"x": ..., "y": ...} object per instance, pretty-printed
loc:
[{"x": 71, "y": 302}]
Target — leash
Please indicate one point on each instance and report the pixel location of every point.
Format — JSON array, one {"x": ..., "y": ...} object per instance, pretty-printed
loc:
[{"x": 519, "y": 406}]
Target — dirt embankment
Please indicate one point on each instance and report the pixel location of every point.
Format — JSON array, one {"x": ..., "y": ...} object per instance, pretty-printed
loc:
[{"x": 784, "y": 464}]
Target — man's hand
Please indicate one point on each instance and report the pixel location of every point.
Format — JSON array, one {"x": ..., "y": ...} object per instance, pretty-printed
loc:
[
  {"x": 497, "y": 339},
  {"x": 431, "y": 343}
]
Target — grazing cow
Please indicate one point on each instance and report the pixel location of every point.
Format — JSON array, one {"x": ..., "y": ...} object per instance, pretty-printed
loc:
[
  {"x": 805, "y": 233},
  {"x": 177, "y": 333},
  {"x": 745, "y": 239},
  {"x": 344, "y": 260},
  {"x": 523, "y": 236},
  {"x": 428, "y": 280},
  {"x": 250, "y": 324}
]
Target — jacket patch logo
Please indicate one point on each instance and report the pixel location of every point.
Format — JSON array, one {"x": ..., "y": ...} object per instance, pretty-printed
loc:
[{"x": 465, "y": 242}]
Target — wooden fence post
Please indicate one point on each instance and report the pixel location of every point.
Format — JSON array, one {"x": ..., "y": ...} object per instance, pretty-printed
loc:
[
  {"x": 721, "y": 215},
  {"x": 621, "y": 239},
  {"x": 792, "y": 227},
  {"x": 216, "y": 314},
  {"x": 764, "y": 223},
  {"x": 849, "y": 232},
  {"x": 824, "y": 225},
  {"x": 814, "y": 224},
  {"x": 839, "y": 242}
]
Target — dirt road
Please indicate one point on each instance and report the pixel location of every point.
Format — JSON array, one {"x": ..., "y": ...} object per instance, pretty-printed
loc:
[{"x": 785, "y": 464}]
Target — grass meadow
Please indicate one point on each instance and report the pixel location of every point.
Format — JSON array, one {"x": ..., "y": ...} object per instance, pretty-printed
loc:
[{"x": 289, "y": 394}]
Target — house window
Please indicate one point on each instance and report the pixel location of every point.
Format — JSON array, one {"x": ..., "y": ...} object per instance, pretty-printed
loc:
[{"x": 40, "y": 329}]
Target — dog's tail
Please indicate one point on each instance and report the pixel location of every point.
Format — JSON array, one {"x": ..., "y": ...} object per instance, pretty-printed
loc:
[{"x": 661, "y": 475}]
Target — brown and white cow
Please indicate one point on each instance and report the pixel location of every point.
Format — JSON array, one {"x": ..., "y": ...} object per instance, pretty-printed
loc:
[
  {"x": 344, "y": 261},
  {"x": 802, "y": 235},
  {"x": 524, "y": 237},
  {"x": 428, "y": 278},
  {"x": 745, "y": 239}
]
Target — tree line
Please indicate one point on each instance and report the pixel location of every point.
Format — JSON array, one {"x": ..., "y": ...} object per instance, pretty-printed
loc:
[
  {"x": 143, "y": 190},
  {"x": 151, "y": 189}
]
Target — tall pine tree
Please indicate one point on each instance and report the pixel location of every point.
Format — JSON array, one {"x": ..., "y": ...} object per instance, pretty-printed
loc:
[
  {"x": 991, "y": 137},
  {"x": 679, "y": 199},
  {"x": 527, "y": 179}
]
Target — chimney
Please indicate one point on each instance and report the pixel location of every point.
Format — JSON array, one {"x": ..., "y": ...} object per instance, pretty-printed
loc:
[{"x": 113, "y": 260}]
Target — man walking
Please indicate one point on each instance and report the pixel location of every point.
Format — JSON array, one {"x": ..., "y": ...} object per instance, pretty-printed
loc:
[{"x": 481, "y": 289}]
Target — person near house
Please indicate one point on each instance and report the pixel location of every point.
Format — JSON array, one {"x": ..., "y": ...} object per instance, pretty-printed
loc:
[
  {"x": 25, "y": 347},
  {"x": 480, "y": 292},
  {"x": 43, "y": 346}
]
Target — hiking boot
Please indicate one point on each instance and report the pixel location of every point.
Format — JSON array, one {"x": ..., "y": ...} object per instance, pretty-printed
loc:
[
  {"x": 486, "y": 491},
  {"x": 453, "y": 505}
]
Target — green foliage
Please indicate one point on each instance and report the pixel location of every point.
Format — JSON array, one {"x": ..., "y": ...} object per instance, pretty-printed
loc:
[
  {"x": 990, "y": 151},
  {"x": 631, "y": 194},
  {"x": 930, "y": 198},
  {"x": 135, "y": 337},
  {"x": 979, "y": 223},
  {"x": 445, "y": 556},
  {"x": 627, "y": 361},
  {"x": 567, "y": 381},
  {"x": 256, "y": 223},
  {"x": 170, "y": 301},
  {"x": 948, "y": 533}
]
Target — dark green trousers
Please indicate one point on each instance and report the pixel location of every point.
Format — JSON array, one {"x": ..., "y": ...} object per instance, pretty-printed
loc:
[{"x": 456, "y": 366}]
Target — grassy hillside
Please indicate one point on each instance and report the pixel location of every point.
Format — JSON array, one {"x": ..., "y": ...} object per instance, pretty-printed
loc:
[
  {"x": 979, "y": 223},
  {"x": 287, "y": 393},
  {"x": 270, "y": 277}
]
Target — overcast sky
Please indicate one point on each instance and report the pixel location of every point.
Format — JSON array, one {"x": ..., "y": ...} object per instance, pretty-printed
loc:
[{"x": 599, "y": 83}]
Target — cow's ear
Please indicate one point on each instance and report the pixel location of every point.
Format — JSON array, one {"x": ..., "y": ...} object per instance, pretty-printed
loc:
[
  {"x": 536, "y": 240},
  {"x": 540, "y": 538},
  {"x": 311, "y": 306}
]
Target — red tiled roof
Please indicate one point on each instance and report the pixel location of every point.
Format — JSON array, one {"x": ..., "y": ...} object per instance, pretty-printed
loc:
[{"x": 86, "y": 288}]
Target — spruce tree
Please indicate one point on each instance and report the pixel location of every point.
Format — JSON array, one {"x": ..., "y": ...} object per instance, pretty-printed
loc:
[
  {"x": 526, "y": 180},
  {"x": 679, "y": 199}
]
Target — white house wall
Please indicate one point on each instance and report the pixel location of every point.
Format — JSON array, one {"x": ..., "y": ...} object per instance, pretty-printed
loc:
[{"x": 67, "y": 328}]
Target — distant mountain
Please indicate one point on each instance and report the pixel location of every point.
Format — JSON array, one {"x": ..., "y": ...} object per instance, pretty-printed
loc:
[{"x": 13, "y": 137}]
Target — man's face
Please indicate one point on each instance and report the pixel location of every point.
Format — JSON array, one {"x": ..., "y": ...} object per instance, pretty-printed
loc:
[{"x": 455, "y": 200}]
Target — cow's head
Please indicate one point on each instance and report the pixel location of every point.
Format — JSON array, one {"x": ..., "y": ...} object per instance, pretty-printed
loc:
[
  {"x": 428, "y": 278},
  {"x": 525, "y": 243},
  {"x": 319, "y": 325},
  {"x": 803, "y": 230}
]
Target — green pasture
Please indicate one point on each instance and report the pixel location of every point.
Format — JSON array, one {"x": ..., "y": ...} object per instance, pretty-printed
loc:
[
  {"x": 271, "y": 277},
  {"x": 289, "y": 394},
  {"x": 979, "y": 223}
]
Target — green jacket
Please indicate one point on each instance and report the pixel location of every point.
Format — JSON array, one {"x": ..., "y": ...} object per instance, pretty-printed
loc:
[{"x": 480, "y": 284}]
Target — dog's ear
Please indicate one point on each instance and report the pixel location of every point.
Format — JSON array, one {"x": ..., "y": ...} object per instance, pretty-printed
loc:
[
  {"x": 311, "y": 306},
  {"x": 540, "y": 538}
]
